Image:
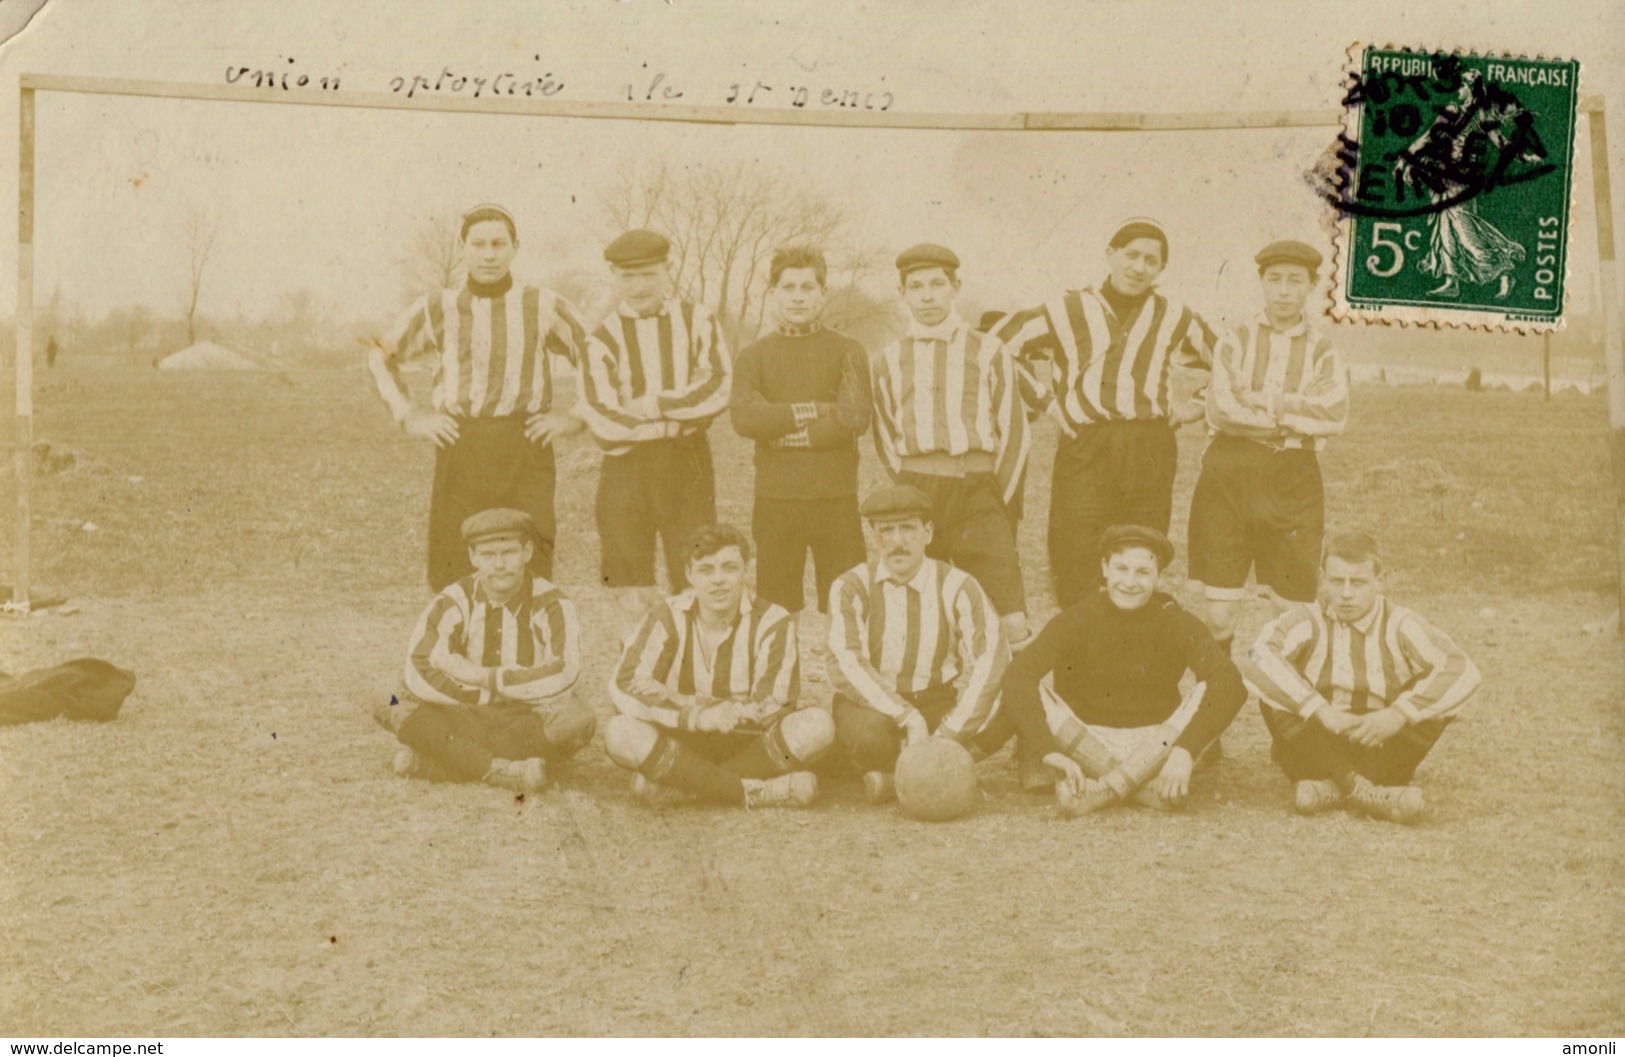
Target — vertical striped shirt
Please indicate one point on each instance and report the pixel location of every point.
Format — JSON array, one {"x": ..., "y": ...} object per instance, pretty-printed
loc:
[
  {"x": 489, "y": 353},
  {"x": 889, "y": 639},
  {"x": 1304, "y": 661},
  {"x": 666, "y": 674},
  {"x": 1107, "y": 369},
  {"x": 678, "y": 355},
  {"x": 950, "y": 390},
  {"x": 1282, "y": 387},
  {"x": 529, "y": 645}
]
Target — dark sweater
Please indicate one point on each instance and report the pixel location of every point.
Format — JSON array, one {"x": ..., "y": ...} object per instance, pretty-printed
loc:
[
  {"x": 778, "y": 371},
  {"x": 1119, "y": 668},
  {"x": 1124, "y": 306}
]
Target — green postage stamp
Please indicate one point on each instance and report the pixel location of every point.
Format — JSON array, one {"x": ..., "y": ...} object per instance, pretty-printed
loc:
[{"x": 1451, "y": 183}]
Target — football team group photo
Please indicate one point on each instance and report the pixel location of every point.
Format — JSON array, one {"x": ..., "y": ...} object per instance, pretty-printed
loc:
[{"x": 927, "y": 658}]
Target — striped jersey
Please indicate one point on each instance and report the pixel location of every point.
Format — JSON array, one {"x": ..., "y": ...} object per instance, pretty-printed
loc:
[
  {"x": 1281, "y": 387},
  {"x": 950, "y": 390},
  {"x": 489, "y": 353},
  {"x": 1304, "y": 660},
  {"x": 889, "y": 639},
  {"x": 1106, "y": 369},
  {"x": 678, "y": 355},
  {"x": 531, "y": 644},
  {"x": 666, "y": 673}
]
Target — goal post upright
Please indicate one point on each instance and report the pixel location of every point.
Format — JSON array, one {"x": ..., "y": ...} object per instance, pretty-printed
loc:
[
  {"x": 1613, "y": 340},
  {"x": 22, "y": 360},
  {"x": 1023, "y": 121}
]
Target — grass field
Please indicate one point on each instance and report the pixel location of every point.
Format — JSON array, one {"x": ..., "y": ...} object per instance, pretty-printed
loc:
[{"x": 233, "y": 855}]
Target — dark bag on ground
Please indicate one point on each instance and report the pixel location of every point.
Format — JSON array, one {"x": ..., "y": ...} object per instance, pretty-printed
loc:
[{"x": 80, "y": 689}]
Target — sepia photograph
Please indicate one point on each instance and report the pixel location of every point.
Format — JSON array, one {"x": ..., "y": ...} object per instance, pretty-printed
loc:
[{"x": 689, "y": 518}]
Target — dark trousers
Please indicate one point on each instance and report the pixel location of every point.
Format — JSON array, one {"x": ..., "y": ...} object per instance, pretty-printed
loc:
[
  {"x": 971, "y": 529},
  {"x": 871, "y": 741},
  {"x": 1115, "y": 473},
  {"x": 663, "y": 488},
  {"x": 466, "y": 738},
  {"x": 490, "y": 464},
  {"x": 1307, "y": 751},
  {"x": 714, "y": 766},
  {"x": 786, "y": 529},
  {"x": 1257, "y": 507}
]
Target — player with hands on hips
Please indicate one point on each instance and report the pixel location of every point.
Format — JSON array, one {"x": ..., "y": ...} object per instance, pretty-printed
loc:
[{"x": 491, "y": 414}]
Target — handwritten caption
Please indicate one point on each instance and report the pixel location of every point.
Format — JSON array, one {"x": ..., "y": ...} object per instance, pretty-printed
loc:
[{"x": 647, "y": 86}]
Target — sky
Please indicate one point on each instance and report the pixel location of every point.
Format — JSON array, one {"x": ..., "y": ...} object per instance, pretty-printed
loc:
[{"x": 323, "y": 198}]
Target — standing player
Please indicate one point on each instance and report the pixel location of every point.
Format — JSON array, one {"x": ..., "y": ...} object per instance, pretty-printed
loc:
[
  {"x": 915, "y": 647},
  {"x": 490, "y": 416},
  {"x": 1278, "y": 391},
  {"x": 1357, "y": 690},
  {"x": 1112, "y": 349},
  {"x": 949, "y": 422},
  {"x": 654, "y": 375},
  {"x": 706, "y": 689},
  {"x": 802, "y": 394},
  {"x": 488, "y": 682},
  {"x": 1111, "y": 717}
]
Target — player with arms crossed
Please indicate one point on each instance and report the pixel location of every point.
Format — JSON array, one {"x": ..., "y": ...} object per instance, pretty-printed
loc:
[
  {"x": 1100, "y": 686},
  {"x": 915, "y": 647},
  {"x": 491, "y": 416},
  {"x": 1278, "y": 391},
  {"x": 489, "y": 680},
  {"x": 707, "y": 690},
  {"x": 802, "y": 394},
  {"x": 654, "y": 375},
  {"x": 1112, "y": 350},
  {"x": 1356, "y": 691}
]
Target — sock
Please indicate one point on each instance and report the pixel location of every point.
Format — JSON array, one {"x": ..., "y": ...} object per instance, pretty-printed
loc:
[
  {"x": 766, "y": 757},
  {"x": 670, "y": 764}
]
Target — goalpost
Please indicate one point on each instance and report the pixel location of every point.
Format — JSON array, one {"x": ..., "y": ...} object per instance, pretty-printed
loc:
[{"x": 22, "y": 361}]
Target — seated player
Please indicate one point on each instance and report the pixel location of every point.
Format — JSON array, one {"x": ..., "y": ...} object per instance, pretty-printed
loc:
[
  {"x": 707, "y": 691},
  {"x": 915, "y": 647},
  {"x": 1278, "y": 391},
  {"x": 488, "y": 683},
  {"x": 1100, "y": 686},
  {"x": 1355, "y": 691}
]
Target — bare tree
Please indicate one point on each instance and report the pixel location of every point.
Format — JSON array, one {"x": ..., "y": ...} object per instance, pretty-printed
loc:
[
  {"x": 202, "y": 225},
  {"x": 433, "y": 258},
  {"x": 725, "y": 220}
]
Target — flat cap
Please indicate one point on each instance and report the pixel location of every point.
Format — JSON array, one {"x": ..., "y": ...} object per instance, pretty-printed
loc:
[
  {"x": 1119, "y": 536},
  {"x": 1289, "y": 251},
  {"x": 895, "y": 502},
  {"x": 926, "y": 255},
  {"x": 498, "y": 523},
  {"x": 638, "y": 246}
]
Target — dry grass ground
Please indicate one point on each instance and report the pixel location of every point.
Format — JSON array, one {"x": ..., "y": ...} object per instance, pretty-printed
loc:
[{"x": 233, "y": 856}]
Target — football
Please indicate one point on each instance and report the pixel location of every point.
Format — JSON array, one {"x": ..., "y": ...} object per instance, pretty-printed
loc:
[{"x": 936, "y": 780}]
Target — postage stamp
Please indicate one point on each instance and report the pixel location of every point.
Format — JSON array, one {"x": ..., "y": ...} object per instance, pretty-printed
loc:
[{"x": 1451, "y": 184}]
